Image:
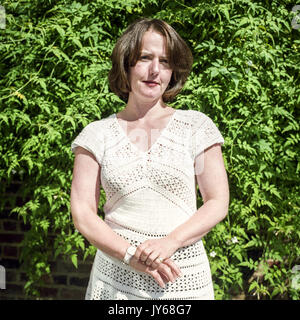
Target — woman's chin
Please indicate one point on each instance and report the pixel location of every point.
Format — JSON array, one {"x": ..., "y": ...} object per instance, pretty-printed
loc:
[{"x": 149, "y": 95}]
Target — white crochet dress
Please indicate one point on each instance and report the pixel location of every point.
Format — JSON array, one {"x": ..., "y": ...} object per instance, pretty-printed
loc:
[{"x": 148, "y": 194}]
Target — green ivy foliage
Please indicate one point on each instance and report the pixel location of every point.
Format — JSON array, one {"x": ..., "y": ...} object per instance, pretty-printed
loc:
[{"x": 55, "y": 57}]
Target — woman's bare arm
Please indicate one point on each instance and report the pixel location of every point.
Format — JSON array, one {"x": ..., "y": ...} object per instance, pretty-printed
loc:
[
  {"x": 85, "y": 193},
  {"x": 213, "y": 185}
]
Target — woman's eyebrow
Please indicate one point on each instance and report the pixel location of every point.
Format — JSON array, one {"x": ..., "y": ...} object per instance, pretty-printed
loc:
[
  {"x": 146, "y": 52},
  {"x": 150, "y": 54}
]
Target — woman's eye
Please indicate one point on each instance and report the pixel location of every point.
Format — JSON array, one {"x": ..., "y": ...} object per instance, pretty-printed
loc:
[
  {"x": 144, "y": 57},
  {"x": 164, "y": 61}
]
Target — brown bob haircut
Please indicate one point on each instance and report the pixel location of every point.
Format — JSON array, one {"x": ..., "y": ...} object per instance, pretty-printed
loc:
[{"x": 128, "y": 49}]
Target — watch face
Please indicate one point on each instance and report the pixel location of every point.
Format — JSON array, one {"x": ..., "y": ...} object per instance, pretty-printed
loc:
[{"x": 131, "y": 250}]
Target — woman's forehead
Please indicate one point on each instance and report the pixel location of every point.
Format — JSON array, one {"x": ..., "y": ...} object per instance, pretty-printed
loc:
[{"x": 153, "y": 40}]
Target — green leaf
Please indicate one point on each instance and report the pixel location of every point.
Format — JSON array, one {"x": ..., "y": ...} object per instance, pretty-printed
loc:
[{"x": 74, "y": 260}]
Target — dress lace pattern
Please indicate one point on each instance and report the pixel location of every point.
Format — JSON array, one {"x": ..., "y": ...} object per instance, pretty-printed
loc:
[{"x": 148, "y": 194}]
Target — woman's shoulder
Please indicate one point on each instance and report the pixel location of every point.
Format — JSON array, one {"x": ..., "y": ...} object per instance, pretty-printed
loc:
[
  {"x": 193, "y": 116},
  {"x": 100, "y": 124}
]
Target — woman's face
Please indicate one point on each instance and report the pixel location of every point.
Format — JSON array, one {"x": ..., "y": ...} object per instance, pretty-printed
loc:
[{"x": 151, "y": 75}]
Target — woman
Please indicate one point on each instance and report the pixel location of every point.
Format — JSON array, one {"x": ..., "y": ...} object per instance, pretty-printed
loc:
[{"x": 146, "y": 158}]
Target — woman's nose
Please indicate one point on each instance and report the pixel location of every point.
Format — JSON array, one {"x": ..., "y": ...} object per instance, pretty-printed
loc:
[{"x": 154, "y": 67}]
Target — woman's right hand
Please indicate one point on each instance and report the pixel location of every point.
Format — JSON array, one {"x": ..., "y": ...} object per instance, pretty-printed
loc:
[{"x": 167, "y": 271}]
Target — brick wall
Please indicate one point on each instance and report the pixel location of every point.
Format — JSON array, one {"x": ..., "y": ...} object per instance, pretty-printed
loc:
[{"x": 65, "y": 281}]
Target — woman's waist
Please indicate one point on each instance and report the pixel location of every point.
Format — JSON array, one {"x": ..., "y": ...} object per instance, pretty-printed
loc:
[
  {"x": 155, "y": 223},
  {"x": 145, "y": 203}
]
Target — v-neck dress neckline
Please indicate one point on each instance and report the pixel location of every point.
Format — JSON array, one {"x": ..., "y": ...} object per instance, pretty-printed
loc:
[{"x": 163, "y": 131}]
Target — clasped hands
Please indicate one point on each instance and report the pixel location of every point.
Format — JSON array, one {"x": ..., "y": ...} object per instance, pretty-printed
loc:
[{"x": 153, "y": 258}]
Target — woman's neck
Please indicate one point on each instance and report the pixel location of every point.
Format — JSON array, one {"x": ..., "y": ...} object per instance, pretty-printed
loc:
[{"x": 135, "y": 109}]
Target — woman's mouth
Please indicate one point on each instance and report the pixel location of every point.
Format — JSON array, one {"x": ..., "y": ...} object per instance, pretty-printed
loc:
[{"x": 151, "y": 83}]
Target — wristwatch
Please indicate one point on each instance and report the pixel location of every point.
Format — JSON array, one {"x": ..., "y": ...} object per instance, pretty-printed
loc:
[{"x": 130, "y": 252}]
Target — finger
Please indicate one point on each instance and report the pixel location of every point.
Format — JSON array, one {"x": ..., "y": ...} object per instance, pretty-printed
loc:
[
  {"x": 151, "y": 260},
  {"x": 142, "y": 247},
  {"x": 164, "y": 277},
  {"x": 176, "y": 272},
  {"x": 157, "y": 262},
  {"x": 158, "y": 278},
  {"x": 134, "y": 262},
  {"x": 145, "y": 254},
  {"x": 166, "y": 270},
  {"x": 173, "y": 267},
  {"x": 141, "y": 266},
  {"x": 139, "y": 251}
]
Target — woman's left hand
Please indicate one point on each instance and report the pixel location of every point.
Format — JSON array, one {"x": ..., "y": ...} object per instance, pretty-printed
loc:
[{"x": 152, "y": 252}]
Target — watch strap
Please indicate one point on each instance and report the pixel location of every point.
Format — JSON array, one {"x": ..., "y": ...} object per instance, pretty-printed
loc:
[{"x": 129, "y": 254}]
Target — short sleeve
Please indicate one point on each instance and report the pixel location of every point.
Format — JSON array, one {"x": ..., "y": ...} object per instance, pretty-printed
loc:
[
  {"x": 91, "y": 138},
  {"x": 205, "y": 134}
]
